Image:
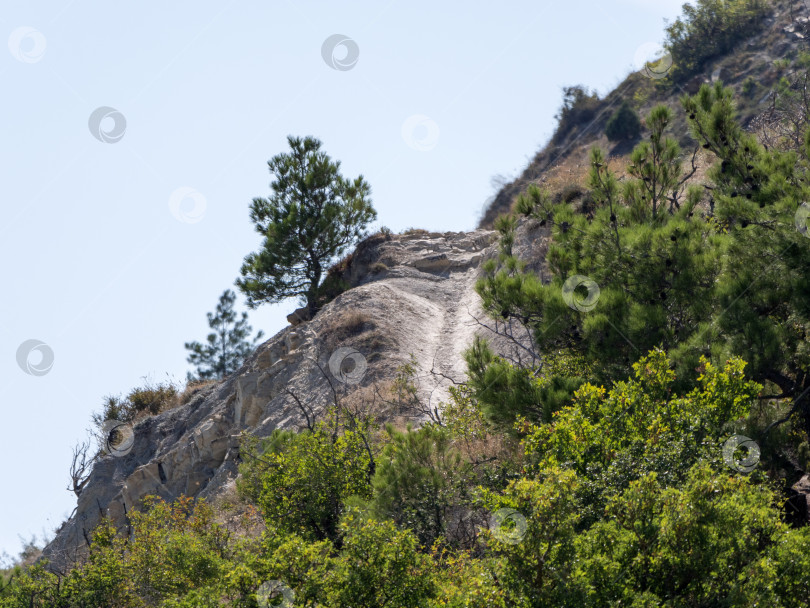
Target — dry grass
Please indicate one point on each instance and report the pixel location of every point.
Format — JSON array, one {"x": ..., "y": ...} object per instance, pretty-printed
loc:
[
  {"x": 237, "y": 514},
  {"x": 567, "y": 179},
  {"x": 351, "y": 324},
  {"x": 556, "y": 166},
  {"x": 357, "y": 329},
  {"x": 193, "y": 388},
  {"x": 141, "y": 402},
  {"x": 147, "y": 401},
  {"x": 381, "y": 404},
  {"x": 382, "y": 235}
]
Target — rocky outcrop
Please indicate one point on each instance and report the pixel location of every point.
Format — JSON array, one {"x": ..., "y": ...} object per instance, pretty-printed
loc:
[
  {"x": 797, "y": 507},
  {"x": 298, "y": 316},
  {"x": 411, "y": 295}
]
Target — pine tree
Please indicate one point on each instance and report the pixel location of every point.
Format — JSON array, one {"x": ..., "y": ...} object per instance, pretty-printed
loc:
[
  {"x": 763, "y": 297},
  {"x": 227, "y": 346},
  {"x": 313, "y": 216},
  {"x": 642, "y": 259},
  {"x": 718, "y": 271}
]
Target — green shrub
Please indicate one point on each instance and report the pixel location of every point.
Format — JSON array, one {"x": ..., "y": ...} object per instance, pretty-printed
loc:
[
  {"x": 624, "y": 124},
  {"x": 749, "y": 86},
  {"x": 579, "y": 106},
  {"x": 640, "y": 426},
  {"x": 333, "y": 285},
  {"x": 710, "y": 28},
  {"x": 692, "y": 542},
  {"x": 301, "y": 480},
  {"x": 152, "y": 399},
  {"x": 803, "y": 455},
  {"x": 148, "y": 400},
  {"x": 380, "y": 565},
  {"x": 507, "y": 393},
  {"x": 422, "y": 481},
  {"x": 571, "y": 192}
]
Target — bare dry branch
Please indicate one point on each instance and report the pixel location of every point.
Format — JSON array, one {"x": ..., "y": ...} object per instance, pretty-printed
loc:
[{"x": 80, "y": 467}]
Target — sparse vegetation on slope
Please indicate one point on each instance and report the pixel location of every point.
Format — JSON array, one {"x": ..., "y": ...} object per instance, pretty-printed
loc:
[
  {"x": 642, "y": 451},
  {"x": 755, "y": 32},
  {"x": 711, "y": 28}
]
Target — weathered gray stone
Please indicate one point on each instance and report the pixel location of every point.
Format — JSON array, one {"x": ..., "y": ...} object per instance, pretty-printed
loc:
[
  {"x": 298, "y": 316},
  {"x": 424, "y": 305}
]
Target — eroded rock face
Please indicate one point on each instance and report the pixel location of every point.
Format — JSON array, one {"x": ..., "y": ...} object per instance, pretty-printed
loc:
[
  {"x": 298, "y": 316},
  {"x": 412, "y": 295}
]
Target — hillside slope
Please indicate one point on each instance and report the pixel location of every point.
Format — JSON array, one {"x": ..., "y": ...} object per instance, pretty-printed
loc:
[
  {"x": 563, "y": 161},
  {"x": 412, "y": 294}
]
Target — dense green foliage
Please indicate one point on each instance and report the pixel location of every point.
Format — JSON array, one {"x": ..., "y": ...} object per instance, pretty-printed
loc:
[
  {"x": 623, "y": 124},
  {"x": 641, "y": 425},
  {"x": 312, "y": 217},
  {"x": 624, "y": 499},
  {"x": 762, "y": 306},
  {"x": 302, "y": 480},
  {"x": 227, "y": 346},
  {"x": 710, "y": 28},
  {"x": 421, "y": 483}
]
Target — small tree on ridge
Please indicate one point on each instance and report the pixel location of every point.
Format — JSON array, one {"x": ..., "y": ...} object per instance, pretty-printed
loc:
[
  {"x": 313, "y": 216},
  {"x": 227, "y": 345}
]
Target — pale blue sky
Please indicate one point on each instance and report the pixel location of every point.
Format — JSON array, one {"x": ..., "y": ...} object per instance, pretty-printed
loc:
[{"x": 96, "y": 265}]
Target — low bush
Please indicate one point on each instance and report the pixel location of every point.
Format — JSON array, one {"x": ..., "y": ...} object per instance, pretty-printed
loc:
[
  {"x": 579, "y": 106},
  {"x": 141, "y": 402},
  {"x": 624, "y": 124}
]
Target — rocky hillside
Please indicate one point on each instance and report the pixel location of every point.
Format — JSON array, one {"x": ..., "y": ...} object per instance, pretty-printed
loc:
[
  {"x": 563, "y": 160},
  {"x": 410, "y": 295}
]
